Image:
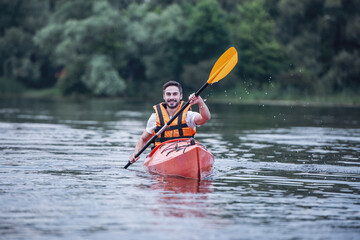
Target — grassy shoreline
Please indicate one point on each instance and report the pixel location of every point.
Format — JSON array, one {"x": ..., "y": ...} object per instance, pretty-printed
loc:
[
  {"x": 234, "y": 96},
  {"x": 316, "y": 101},
  {"x": 285, "y": 98},
  {"x": 285, "y": 102}
]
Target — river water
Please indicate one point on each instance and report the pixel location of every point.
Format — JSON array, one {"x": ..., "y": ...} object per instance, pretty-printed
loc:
[{"x": 281, "y": 172}]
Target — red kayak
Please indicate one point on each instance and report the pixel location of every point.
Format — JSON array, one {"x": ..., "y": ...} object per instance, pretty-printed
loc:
[{"x": 180, "y": 157}]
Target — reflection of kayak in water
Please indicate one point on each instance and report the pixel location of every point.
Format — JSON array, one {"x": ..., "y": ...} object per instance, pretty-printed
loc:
[
  {"x": 182, "y": 185},
  {"x": 181, "y": 197},
  {"x": 180, "y": 157}
]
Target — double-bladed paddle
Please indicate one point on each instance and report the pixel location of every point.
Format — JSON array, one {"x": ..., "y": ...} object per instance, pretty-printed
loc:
[{"x": 222, "y": 67}]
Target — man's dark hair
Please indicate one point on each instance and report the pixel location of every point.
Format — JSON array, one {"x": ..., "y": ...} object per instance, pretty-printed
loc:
[{"x": 172, "y": 83}]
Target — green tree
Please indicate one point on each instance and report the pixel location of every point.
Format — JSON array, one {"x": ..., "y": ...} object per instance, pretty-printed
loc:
[
  {"x": 260, "y": 54},
  {"x": 153, "y": 40},
  {"x": 321, "y": 39},
  {"x": 101, "y": 77},
  {"x": 164, "y": 59},
  {"x": 78, "y": 33},
  {"x": 207, "y": 32},
  {"x": 20, "y": 59},
  {"x": 204, "y": 38},
  {"x": 20, "y": 14}
]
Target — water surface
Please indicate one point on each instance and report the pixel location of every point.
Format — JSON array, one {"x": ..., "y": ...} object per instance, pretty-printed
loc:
[{"x": 281, "y": 172}]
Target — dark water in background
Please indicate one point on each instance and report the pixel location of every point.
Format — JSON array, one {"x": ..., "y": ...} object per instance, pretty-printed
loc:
[{"x": 281, "y": 172}]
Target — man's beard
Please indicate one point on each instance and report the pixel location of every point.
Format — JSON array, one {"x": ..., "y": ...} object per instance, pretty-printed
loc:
[{"x": 177, "y": 103}]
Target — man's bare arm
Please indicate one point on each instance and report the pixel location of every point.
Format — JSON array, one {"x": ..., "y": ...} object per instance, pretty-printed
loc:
[
  {"x": 205, "y": 114},
  {"x": 145, "y": 137}
]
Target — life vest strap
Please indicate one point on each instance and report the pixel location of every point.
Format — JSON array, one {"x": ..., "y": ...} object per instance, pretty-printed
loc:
[
  {"x": 174, "y": 127},
  {"x": 181, "y": 133},
  {"x": 170, "y": 138},
  {"x": 161, "y": 118}
]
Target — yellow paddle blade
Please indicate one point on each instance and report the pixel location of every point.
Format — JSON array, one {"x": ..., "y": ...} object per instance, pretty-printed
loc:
[{"x": 223, "y": 65}]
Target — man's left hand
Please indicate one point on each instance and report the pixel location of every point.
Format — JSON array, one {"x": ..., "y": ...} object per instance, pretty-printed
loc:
[{"x": 194, "y": 99}]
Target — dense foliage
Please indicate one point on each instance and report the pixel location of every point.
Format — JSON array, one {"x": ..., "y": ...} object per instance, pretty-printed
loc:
[{"x": 126, "y": 48}]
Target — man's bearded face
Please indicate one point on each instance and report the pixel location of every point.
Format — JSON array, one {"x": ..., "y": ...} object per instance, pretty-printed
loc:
[{"x": 172, "y": 97}]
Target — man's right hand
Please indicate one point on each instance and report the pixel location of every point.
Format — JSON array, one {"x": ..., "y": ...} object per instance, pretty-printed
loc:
[{"x": 132, "y": 158}]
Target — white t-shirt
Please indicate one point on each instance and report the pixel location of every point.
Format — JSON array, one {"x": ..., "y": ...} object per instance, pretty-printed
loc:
[{"x": 190, "y": 121}]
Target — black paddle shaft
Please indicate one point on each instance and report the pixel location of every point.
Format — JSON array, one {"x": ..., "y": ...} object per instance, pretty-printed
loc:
[{"x": 166, "y": 125}]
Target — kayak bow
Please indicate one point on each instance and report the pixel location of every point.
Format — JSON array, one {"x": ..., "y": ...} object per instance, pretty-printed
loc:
[{"x": 180, "y": 157}]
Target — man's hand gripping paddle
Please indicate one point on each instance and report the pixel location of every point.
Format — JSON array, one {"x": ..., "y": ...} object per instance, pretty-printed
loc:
[{"x": 222, "y": 67}]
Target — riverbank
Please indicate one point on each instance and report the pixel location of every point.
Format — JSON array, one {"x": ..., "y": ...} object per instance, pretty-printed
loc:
[
  {"x": 286, "y": 98},
  {"x": 315, "y": 102},
  {"x": 234, "y": 96}
]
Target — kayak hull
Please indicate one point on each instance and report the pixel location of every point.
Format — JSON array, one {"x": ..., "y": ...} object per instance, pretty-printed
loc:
[{"x": 180, "y": 158}]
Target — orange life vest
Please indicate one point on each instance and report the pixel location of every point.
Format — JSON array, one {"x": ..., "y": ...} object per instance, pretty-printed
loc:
[{"x": 177, "y": 129}]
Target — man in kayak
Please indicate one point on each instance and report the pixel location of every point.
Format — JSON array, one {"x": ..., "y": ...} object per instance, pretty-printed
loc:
[{"x": 183, "y": 127}]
